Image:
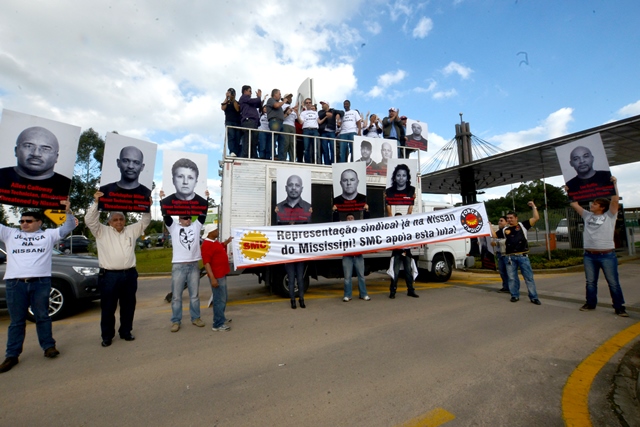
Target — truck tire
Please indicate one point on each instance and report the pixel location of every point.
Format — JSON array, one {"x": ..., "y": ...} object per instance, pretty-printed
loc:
[
  {"x": 280, "y": 281},
  {"x": 61, "y": 301},
  {"x": 440, "y": 268}
]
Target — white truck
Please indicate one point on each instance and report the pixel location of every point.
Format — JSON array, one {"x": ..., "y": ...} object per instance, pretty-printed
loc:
[{"x": 249, "y": 198}]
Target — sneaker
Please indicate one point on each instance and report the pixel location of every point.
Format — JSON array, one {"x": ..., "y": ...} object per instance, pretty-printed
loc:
[
  {"x": 587, "y": 307},
  {"x": 515, "y": 299},
  {"x": 621, "y": 312},
  {"x": 175, "y": 327},
  {"x": 198, "y": 322},
  {"x": 413, "y": 294},
  {"x": 346, "y": 299},
  {"x": 51, "y": 352},
  {"x": 536, "y": 301},
  {"x": 504, "y": 291},
  {"x": 223, "y": 328},
  {"x": 366, "y": 298},
  {"x": 232, "y": 155},
  {"x": 8, "y": 363}
]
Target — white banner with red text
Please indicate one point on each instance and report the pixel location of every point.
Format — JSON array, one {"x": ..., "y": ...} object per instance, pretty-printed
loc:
[{"x": 259, "y": 246}]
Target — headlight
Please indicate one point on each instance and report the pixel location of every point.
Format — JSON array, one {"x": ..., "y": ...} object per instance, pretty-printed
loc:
[{"x": 87, "y": 271}]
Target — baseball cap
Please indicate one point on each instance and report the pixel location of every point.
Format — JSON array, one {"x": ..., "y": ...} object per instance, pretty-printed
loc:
[
  {"x": 324, "y": 102},
  {"x": 208, "y": 228},
  {"x": 288, "y": 95},
  {"x": 403, "y": 117},
  {"x": 393, "y": 109}
]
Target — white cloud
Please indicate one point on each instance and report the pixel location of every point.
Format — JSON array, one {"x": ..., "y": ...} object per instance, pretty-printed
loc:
[
  {"x": 461, "y": 70},
  {"x": 630, "y": 110},
  {"x": 445, "y": 94},
  {"x": 400, "y": 8},
  {"x": 423, "y": 28},
  {"x": 373, "y": 27},
  {"x": 386, "y": 80},
  {"x": 555, "y": 125}
]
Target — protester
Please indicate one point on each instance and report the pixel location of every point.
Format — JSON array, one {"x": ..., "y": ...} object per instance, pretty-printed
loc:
[
  {"x": 392, "y": 129},
  {"x": 402, "y": 257},
  {"x": 501, "y": 256},
  {"x": 309, "y": 121},
  {"x": 354, "y": 262},
  {"x": 231, "y": 109},
  {"x": 249, "y": 111},
  {"x": 216, "y": 263},
  {"x": 275, "y": 116}
]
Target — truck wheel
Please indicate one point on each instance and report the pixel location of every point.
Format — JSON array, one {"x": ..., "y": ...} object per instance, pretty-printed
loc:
[
  {"x": 440, "y": 268},
  {"x": 60, "y": 301},
  {"x": 280, "y": 282}
]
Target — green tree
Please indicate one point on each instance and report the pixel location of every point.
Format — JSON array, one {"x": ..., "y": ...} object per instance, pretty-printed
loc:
[{"x": 534, "y": 190}]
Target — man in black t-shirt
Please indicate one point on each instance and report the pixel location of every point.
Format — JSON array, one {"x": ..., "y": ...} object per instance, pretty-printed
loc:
[{"x": 517, "y": 249}]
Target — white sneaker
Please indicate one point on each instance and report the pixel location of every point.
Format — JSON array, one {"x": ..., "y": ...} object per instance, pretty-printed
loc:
[
  {"x": 346, "y": 299},
  {"x": 222, "y": 328},
  {"x": 366, "y": 298},
  {"x": 232, "y": 155}
]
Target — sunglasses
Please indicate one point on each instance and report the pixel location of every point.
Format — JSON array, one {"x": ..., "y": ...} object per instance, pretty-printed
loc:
[
  {"x": 185, "y": 218},
  {"x": 26, "y": 221}
]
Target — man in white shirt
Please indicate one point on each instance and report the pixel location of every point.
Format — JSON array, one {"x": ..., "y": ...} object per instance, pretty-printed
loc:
[
  {"x": 309, "y": 120},
  {"x": 28, "y": 278},
  {"x": 351, "y": 125},
  {"x": 118, "y": 280}
]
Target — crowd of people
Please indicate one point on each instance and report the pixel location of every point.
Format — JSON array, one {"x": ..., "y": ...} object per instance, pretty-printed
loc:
[{"x": 267, "y": 127}]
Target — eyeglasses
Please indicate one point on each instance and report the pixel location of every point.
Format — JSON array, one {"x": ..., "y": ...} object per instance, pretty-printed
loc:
[
  {"x": 307, "y": 102},
  {"x": 27, "y": 221}
]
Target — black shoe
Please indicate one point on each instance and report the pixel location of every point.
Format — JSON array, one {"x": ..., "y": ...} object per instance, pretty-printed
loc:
[
  {"x": 302, "y": 304},
  {"x": 106, "y": 343},
  {"x": 413, "y": 294},
  {"x": 587, "y": 307},
  {"x": 504, "y": 291},
  {"x": 515, "y": 299},
  {"x": 293, "y": 304},
  {"x": 8, "y": 363},
  {"x": 621, "y": 312},
  {"x": 392, "y": 295},
  {"x": 51, "y": 352},
  {"x": 129, "y": 337},
  {"x": 536, "y": 301}
]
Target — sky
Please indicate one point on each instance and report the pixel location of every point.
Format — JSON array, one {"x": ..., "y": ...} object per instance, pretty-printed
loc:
[{"x": 520, "y": 71}]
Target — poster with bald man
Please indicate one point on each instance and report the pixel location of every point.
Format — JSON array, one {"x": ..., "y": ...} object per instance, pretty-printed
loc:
[
  {"x": 32, "y": 172},
  {"x": 349, "y": 187},
  {"x": 585, "y": 169},
  {"x": 127, "y": 174},
  {"x": 184, "y": 178},
  {"x": 293, "y": 189},
  {"x": 375, "y": 153}
]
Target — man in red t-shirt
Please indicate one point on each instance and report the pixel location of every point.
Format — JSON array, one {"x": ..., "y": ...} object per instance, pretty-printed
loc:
[{"x": 216, "y": 263}]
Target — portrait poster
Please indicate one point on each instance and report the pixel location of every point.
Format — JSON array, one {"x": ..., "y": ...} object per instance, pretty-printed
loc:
[
  {"x": 184, "y": 178},
  {"x": 417, "y": 134},
  {"x": 401, "y": 179},
  {"x": 375, "y": 153},
  {"x": 349, "y": 187},
  {"x": 127, "y": 174},
  {"x": 585, "y": 169},
  {"x": 37, "y": 158},
  {"x": 293, "y": 193}
]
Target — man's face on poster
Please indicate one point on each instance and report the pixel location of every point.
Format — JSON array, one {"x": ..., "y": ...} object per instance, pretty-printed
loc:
[
  {"x": 349, "y": 183},
  {"x": 386, "y": 151},
  {"x": 37, "y": 151},
  {"x": 365, "y": 151},
  {"x": 581, "y": 160},
  {"x": 130, "y": 163},
  {"x": 416, "y": 129},
  {"x": 185, "y": 179},
  {"x": 294, "y": 187}
]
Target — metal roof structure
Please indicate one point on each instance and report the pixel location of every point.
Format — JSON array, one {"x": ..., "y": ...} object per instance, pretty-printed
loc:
[{"x": 621, "y": 142}]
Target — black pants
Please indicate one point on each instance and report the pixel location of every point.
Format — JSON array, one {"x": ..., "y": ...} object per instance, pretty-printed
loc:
[{"x": 118, "y": 285}]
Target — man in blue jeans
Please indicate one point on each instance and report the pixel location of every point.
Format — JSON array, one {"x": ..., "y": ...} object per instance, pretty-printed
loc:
[
  {"x": 599, "y": 249},
  {"x": 216, "y": 263},
  {"x": 28, "y": 278},
  {"x": 351, "y": 262},
  {"x": 517, "y": 249}
]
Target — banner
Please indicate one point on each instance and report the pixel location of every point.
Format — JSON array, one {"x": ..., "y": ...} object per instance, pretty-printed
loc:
[{"x": 259, "y": 246}]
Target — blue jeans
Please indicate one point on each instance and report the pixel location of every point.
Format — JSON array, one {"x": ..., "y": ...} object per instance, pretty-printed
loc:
[
  {"x": 295, "y": 273},
  {"x": 21, "y": 295},
  {"x": 502, "y": 269},
  {"x": 234, "y": 139},
  {"x": 309, "y": 144},
  {"x": 609, "y": 264},
  {"x": 220, "y": 297},
  {"x": 249, "y": 138},
  {"x": 346, "y": 148},
  {"x": 408, "y": 273},
  {"x": 513, "y": 263},
  {"x": 117, "y": 286},
  {"x": 276, "y": 126},
  {"x": 181, "y": 273},
  {"x": 348, "y": 263},
  {"x": 264, "y": 145},
  {"x": 326, "y": 148}
]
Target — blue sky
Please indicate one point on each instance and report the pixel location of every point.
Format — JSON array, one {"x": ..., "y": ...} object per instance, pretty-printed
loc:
[{"x": 159, "y": 70}]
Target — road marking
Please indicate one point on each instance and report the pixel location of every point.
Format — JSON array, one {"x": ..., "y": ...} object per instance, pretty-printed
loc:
[
  {"x": 432, "y": 418},
  {"x": 575, "y": 395}
]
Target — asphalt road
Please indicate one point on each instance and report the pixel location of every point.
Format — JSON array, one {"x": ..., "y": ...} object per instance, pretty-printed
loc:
[{"x": 460, "y": 355}]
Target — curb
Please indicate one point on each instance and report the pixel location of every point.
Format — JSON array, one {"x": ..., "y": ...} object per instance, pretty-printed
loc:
[{"x": 625, "y": 393}]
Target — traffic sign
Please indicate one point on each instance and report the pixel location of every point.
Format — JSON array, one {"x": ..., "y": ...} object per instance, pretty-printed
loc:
[{"x": 57, "y": 216}]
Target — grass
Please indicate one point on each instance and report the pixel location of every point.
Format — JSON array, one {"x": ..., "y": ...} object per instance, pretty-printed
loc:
[
  {"x": 559, "y": 258},
  {"x": 154, "y": 261}
]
